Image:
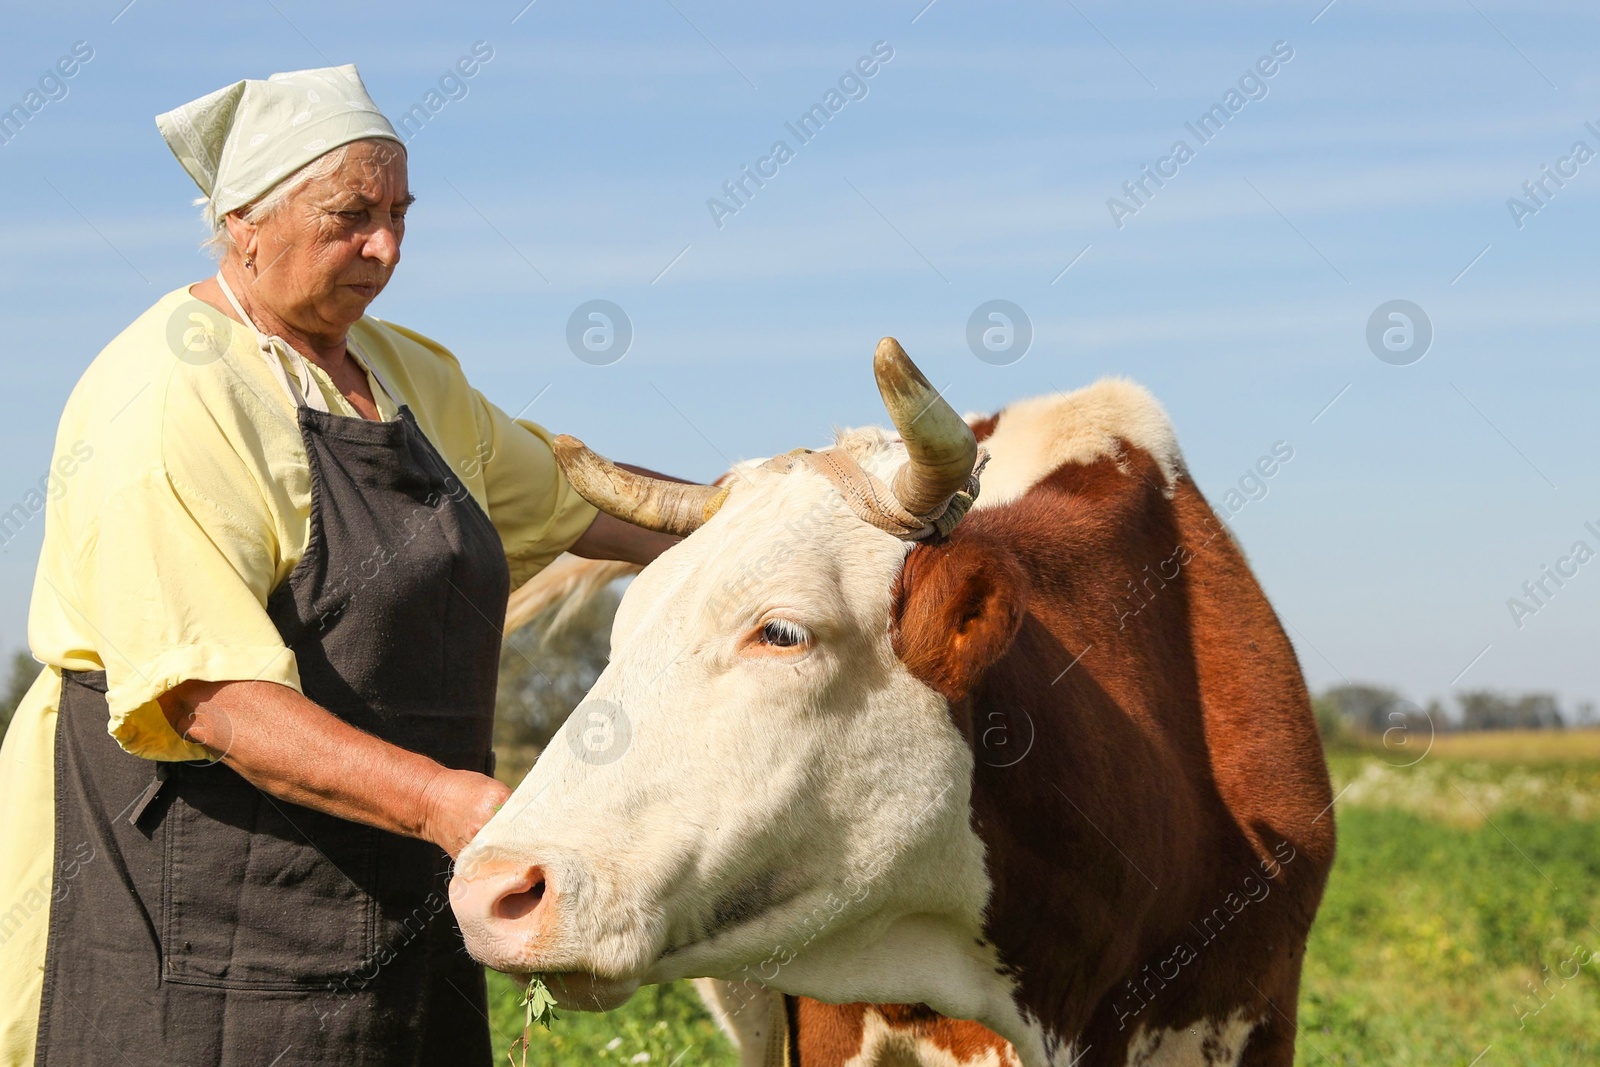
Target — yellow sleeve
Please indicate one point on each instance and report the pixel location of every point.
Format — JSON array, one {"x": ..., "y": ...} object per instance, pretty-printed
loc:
[
  {"x": 536, "y": 510},
  {"x": 27, "y": 860},
  {"x": 172, "y": 572}
]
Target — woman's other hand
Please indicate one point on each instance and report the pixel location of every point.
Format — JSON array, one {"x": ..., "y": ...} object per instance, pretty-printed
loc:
[{"x": 456, "y": 804}]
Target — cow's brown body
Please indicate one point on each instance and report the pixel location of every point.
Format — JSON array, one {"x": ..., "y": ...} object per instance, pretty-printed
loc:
[{"x": 1160, "y": 852}]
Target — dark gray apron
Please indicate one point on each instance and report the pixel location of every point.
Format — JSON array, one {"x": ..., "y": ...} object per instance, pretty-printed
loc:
[{"x": 217, "y": 925}]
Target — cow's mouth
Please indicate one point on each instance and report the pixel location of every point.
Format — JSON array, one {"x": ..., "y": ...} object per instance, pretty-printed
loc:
[{"x": 582, "y": 991}]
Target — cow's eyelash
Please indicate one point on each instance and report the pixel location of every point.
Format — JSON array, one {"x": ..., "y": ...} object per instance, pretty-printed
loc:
[{"x": 782, "y": 633}]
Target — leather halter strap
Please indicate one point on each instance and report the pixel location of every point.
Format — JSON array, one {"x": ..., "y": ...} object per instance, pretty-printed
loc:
[{"x": 873, "y": 501}]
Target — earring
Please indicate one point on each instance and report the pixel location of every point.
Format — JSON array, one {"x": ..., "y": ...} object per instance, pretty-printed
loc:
[{"x": 249, "y": 262}]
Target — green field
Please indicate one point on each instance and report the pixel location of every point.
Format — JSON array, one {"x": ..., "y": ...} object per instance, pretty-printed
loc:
[{"x": 1460, "y": 882}]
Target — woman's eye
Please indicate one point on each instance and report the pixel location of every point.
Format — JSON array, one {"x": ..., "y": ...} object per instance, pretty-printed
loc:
[{"x": 781, "y": 633}]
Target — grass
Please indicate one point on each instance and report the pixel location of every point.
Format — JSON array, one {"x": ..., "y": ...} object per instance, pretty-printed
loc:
[
  {"x": 1464, "y": 901},
  {"x": 1459, "y": 884}
]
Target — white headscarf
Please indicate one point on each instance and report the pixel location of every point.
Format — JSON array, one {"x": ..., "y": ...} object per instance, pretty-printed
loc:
[{"x": 240, "y": 141}]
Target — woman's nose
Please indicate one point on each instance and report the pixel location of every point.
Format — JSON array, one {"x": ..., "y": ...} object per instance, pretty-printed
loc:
[{"x": 384, "y": 246}]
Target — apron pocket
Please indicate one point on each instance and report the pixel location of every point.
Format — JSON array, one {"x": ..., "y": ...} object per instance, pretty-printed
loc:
[{"x": 259, "y": 893}]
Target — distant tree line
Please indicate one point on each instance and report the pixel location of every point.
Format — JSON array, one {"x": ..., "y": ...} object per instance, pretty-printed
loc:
[
  {"x": 545, "y": 673},
  {"x": 1376, "y": 709}
]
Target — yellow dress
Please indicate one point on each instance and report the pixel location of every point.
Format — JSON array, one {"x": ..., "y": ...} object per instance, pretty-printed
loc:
[{"x": 178, "y": 499}]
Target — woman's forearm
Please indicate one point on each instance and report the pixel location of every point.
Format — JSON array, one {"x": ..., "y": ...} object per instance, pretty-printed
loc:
[
  {"x": 295, "y": 750},
  {"x": 611, "y": 538}
]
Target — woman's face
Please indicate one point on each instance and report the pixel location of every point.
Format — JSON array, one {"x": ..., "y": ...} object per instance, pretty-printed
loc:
[{"x": 330, "y": 249}]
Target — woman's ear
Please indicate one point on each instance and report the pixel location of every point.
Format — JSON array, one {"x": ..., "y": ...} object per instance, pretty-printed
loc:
[
  {"x": 957, "y": 607},
  {"x": 242, "y": 233}
]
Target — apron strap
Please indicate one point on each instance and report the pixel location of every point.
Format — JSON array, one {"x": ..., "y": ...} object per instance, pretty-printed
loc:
[{"x": 302, "y": 393}]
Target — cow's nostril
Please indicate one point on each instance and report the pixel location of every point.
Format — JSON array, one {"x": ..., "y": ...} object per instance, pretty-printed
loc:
[{"x": 521, "y": 900}]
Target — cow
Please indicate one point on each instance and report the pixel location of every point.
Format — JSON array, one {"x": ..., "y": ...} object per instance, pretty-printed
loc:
[{"x": 1027, "y": 747}]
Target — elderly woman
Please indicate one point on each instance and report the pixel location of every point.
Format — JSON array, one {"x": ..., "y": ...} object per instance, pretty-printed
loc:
[{"x": 269, "y": 602}]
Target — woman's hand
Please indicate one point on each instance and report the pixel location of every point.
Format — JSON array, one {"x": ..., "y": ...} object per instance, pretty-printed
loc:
[{"x": 455, "y": 806}]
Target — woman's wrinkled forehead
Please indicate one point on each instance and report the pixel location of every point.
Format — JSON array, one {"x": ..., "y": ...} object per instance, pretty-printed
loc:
[{"x": 373, "y": 172}]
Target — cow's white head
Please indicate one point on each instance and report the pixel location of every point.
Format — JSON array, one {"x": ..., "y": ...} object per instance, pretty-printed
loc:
[{"x": 758, "y": 786}]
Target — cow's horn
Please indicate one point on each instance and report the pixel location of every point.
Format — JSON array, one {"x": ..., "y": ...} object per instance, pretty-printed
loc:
[
  {"x": 939, "y": 443},
  {"x": 654, "y": 503}
]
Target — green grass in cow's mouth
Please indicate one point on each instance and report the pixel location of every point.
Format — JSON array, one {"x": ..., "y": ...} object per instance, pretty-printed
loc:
[
  {"x": 538, "y": 1006},
  {"x": 661, "y": 1026},
  {"x": 541, "y": 1006}
]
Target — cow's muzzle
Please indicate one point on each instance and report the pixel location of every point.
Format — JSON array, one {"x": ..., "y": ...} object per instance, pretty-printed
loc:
[{"x": 510, "y": 914}]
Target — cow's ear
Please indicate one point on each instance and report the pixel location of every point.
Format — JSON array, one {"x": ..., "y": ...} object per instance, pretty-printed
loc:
[{"x": 957, "y": 607}]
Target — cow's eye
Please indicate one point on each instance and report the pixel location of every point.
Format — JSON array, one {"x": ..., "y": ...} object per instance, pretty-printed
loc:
[{"x": 781, "y": 633}]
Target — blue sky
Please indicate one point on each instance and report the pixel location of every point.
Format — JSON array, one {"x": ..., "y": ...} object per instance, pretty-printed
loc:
[{"x": 578, "y": 162}]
